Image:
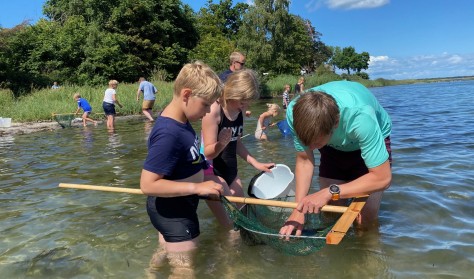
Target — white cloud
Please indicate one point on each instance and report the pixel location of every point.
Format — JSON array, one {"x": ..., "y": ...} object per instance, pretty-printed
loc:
[
  {"x": 374, "y": 59},
  {"x": 455, "y": 59},
  {"x": 346, "y": 4},
  {"x": 423, "y": 66}
]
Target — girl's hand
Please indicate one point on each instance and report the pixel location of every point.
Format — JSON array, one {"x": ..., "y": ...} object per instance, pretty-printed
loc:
[
  {"x": 263, "y": 166},
  {"x": 224, "y": 137}
]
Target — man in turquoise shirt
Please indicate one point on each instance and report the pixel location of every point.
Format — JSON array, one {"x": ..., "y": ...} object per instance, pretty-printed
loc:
[{"x": 351, "y": 130}]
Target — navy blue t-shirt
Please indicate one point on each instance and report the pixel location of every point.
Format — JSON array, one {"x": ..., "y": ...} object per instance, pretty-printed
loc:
[{"x": 173, "y": 150}]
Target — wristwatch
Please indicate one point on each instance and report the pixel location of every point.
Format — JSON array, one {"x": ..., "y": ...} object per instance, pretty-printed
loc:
[{"x": 335, "y": 191}]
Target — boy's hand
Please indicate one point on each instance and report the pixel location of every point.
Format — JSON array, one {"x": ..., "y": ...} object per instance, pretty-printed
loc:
[{"x": 208, "y": 188}]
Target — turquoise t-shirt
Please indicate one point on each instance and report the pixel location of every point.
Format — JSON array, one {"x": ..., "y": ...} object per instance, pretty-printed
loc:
[{"x": 363, "y": 123}]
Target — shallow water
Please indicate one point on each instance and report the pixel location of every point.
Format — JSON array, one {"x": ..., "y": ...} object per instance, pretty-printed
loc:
[{"x": 426, "y": 225}]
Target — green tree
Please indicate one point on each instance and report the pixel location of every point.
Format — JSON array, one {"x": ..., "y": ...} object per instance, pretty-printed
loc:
[
  {"x": 276, "y": 41},
  {"x": 348, "y": 59},
  {"x": 217, "y": 25},
  {"x": 221, "y": 19},
  {"x": 15, "y": 46},
  {"x": 141, "y": 35}
]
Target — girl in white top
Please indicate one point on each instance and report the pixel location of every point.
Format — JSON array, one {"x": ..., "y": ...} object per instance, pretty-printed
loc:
[
  {"x": 265, "y": 121},
  {"x": 110, "y": 99}
]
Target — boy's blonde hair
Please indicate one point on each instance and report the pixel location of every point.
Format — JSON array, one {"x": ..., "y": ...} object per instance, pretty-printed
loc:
[
  {"x": 77, "y": 95},
  {"x": 315, "y": 114},
  {"x": 201, "y": 79},
  {"x": 113, "y": 81},
  {"x": 273, "y": 107},
  {"x": 241, "y": 85}
]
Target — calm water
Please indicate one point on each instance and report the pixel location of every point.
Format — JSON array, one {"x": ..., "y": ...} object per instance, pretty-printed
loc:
[{"x": 426, "y": 219}]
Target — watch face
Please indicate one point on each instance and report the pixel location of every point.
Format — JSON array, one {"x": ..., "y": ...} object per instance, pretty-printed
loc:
[{"x": 334, "y": 188}]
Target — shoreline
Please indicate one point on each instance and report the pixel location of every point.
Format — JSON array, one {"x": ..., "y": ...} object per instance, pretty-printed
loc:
[{"x": 24, "y": 128}]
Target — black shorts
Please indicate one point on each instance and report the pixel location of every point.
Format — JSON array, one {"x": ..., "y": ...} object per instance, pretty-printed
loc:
[
  {"x": 346, "y": 166},
  {"x": 175, "y": 218},
  {"x": 109, "y": 109}
]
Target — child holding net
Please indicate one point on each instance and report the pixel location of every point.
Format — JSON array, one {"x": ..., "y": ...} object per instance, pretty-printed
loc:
[
  {"x": 172, "y": 174},
  {"x": 86, "y": 107},
  {"x": 265, "y": 121},
  {"x": 222, "y": 130}
]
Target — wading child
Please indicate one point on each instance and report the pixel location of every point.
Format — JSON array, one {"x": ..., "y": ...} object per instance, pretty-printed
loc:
[
  {"x": 286, "y": 96},
  {"x": 172, "y": 174},
  {"x": 86, "y": 107},
  {"x": 110, "y": 99},
  {"x": 222, "y": 129},
  {"x": 265, "y": 121}
]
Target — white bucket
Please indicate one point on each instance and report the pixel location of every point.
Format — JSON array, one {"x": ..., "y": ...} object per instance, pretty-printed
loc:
[
  {"x": 275, "y": 184},
  {"x": 6, "y": 122}
]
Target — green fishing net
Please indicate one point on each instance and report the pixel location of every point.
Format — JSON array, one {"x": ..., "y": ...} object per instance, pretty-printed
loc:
[
  {"x": 260, "y": 224},
  {"x": 65, "y": 120}
]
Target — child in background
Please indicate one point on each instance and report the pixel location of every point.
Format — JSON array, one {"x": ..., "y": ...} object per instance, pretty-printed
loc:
[
  {"x": 265, "y": 121},
  {"x": 299, "y": 87},
  {"x": 84, "y": 105},
  {"x": 286, "y": 96},
  {"x": 172, "y": 175},
  {"x": 222, "y": 129},
  {"x": 110, "y": 99}
]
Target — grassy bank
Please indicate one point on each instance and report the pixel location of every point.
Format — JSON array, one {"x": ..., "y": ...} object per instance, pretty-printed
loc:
[{"x": 41, "y": 104}]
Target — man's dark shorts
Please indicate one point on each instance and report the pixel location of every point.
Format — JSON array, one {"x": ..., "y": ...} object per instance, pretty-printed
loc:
[{"x": 345, "y": 166}]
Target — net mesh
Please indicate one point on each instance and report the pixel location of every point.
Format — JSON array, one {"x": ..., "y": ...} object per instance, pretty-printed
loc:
[
  {"x": 65, "y": 120},
  {"x": 259, "y": 224}
]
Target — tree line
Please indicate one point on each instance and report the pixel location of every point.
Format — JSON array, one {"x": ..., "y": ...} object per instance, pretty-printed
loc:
[{"x": 88, "y": 42}]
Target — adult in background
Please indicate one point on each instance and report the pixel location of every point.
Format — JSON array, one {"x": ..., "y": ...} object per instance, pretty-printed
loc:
[
  {"x": 110, "y": 99},
  {"x": 149, "y": 91},
  {"x": 55, "y": 85},
  {"x": 351, "y": 130},
  {"x": 237, "y": 62}
]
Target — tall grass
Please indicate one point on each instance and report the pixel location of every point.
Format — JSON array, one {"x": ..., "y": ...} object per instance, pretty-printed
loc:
[{"x": 41, "y": 104}]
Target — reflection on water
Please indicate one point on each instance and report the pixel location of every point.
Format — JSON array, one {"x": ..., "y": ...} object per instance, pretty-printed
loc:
[{"x": 426, "y": 222}]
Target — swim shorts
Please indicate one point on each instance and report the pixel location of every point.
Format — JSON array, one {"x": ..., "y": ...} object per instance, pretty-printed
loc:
[
  {"x": 347, "y": 166},
  {"x": 175, "y": 218}
]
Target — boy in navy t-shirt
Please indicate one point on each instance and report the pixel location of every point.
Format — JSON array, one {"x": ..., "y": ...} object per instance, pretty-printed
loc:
[{"x": 172, "y": 174}]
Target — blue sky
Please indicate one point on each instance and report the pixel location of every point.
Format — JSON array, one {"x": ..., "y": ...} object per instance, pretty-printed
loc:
[{"x": 405, "y": 38}]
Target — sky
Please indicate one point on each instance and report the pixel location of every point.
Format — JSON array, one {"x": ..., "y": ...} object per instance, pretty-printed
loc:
[{"x": 406, "y": 39}]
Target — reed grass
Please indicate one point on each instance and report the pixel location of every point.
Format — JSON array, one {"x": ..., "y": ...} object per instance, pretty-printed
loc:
[{"x": 41, "y": 104}]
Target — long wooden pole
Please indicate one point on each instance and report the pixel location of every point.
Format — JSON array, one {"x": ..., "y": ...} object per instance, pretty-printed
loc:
[{"x": 326, "y": 208}]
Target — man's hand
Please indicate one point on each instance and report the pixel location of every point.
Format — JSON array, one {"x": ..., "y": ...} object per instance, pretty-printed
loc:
[{"x": 295, "y": 221}]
